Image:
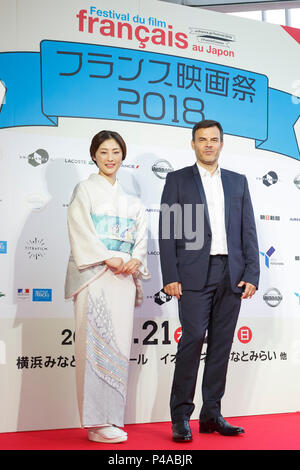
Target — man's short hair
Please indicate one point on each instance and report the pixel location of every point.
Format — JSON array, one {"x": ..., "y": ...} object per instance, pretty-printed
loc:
[{"x": 205, "y": 124}]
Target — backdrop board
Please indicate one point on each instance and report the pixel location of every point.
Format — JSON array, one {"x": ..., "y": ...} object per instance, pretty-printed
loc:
[{"x": 148, "y": 70}]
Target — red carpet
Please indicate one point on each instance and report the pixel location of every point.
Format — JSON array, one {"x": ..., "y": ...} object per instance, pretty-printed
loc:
[{"x": 266, "y": 432}]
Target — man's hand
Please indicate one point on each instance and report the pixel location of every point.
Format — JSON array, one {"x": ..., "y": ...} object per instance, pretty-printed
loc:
[
  {"x": 249, "y": 291},
  {"x": 174, "y": 289}
]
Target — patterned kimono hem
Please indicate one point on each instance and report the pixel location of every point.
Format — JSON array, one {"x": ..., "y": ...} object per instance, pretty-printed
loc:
[{"x": 104, "y": 323}]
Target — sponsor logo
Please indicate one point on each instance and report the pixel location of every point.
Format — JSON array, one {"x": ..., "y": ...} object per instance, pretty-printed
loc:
[
  {"x": 298, "y": 296},
  {"x": 39, "y": 157},
  {"x": 267, "y": 257},
  {"x": 244, "y": 334},
  {"x": 272, "y": 297},
  {"x": 2, "y": 295},
  {"x": 161, "y": 168},
  {"x": 212, "y": 36},
  {"x": 270, "y": 217},
  {"x": 297, "y": 181},
  {"x": 42, "y": 295},
  {"x": 23, "y": 294},
  {"x": 128, "y": 165},
  {"x": 270, "y": 178},
  {"x": 3, "y": 246},
  {"x": 36, "y": 248},
  {"x": 294, "y": 219},
  {"x": 161, "y": 297},
  {"x": 78, "y": 161}
]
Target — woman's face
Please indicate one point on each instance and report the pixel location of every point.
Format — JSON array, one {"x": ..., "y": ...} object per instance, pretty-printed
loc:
[{"x": 108, "y": 158}]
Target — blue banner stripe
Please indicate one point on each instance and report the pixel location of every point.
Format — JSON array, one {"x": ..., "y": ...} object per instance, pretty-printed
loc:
[
  {"x": 92, "y": 81},
  {"x": 23, "y": 100}
]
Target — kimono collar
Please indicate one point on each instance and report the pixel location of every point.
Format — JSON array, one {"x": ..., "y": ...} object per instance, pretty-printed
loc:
[{"x": 102, "y": 180}]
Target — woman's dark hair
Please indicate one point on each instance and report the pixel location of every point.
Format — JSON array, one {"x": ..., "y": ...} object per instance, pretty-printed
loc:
[
  {"x": 205, "y": 124},
  {"x": 99, "y": 138}
]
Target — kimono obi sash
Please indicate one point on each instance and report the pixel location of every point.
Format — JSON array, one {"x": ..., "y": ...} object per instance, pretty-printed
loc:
[{"x": 117, "y": 233}]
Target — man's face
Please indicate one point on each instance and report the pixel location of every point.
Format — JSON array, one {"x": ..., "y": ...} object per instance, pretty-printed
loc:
[{"x": 207, "y": 145}]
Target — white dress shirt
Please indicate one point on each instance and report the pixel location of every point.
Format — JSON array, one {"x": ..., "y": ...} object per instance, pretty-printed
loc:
[{"x": 213, "y": 188}]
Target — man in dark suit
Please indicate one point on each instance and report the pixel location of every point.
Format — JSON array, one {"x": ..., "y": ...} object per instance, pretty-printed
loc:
[{"x": 209, "y": 274}]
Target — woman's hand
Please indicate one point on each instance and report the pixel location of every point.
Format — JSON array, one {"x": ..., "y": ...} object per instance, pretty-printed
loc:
[
  {"x": 115, "y": 264},
  {"x": 131, "y": 266}
]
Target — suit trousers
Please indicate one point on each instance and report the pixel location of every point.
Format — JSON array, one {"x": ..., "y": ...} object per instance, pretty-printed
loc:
[{"x": 214, "y": 309}]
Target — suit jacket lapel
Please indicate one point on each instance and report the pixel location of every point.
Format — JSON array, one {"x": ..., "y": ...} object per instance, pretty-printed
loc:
[
  {"x": 226, "y": 189},
  {"x": 199, "y": 184}
]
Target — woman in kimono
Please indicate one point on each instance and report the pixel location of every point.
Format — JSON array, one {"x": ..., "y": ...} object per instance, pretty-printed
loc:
[{"x": 108, "y": 239}]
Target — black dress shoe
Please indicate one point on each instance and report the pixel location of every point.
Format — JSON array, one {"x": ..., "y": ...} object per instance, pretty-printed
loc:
[
  {"x": 221, "y": 426},
  {"x": 182, "y": 431}
]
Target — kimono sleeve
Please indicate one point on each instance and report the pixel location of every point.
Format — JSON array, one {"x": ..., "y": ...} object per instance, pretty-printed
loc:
[
  {"x": 86, "y": 248},
  {"x": 140, "y": 246}
]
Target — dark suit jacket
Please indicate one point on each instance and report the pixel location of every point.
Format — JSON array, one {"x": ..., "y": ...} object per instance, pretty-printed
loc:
[{"x": 189, "y": 266}]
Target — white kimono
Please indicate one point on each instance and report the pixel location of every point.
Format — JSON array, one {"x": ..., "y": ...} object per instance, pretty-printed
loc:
[{"x": 103, "y": 222}]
